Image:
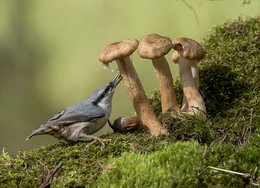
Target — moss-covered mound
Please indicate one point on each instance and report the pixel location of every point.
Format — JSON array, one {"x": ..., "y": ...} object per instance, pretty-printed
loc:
[
  {"x": 81, "y": 166},
  {"x": 134, "y": 160},
  {"x": 228, "y": 137},
  {"x": 184, "y": 164},
  {"x": 230, "y": 72},
  {"x": 229, "y": 84}
]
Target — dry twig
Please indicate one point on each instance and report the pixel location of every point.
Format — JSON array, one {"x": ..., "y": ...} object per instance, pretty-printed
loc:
[
  {"x": 246, "y": 139},
  {"x": 47, "y": 181},
  {"x": 222, "y": 141},
  {"x": 229, "y": 171},
  {"x": 250, "y": 124},
  {"x": 233, "y": 172}
]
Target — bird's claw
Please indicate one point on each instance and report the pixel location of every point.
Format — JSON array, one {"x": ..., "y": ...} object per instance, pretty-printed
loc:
[{"x": 100, "y": 140}]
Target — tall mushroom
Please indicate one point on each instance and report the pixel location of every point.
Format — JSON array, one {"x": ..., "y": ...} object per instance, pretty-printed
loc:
[
  {"x": 155, "y": 47},
  {"x": 190, "y": 52},
  {"x": 175, "y": 59},
  {"x": 120, "y": 52},
  {"x": 195, "y": 75}
]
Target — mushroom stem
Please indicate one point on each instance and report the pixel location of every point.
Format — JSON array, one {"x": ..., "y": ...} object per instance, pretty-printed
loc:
[
  {"x": 138, "y": 97},
  {"x": 184, "y": 106},
  {"x": 195, "y": 73},
  {"x": 190, "y": 91},
  {"x": 155, "y": 47},
  {"x": 195, "y": 76},
  {"x": 163, "y": 73},
  {"x": 190, "y": 52}
]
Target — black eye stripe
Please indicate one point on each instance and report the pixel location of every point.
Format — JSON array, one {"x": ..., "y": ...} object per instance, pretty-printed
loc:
[{"x": 109, "y": 87}]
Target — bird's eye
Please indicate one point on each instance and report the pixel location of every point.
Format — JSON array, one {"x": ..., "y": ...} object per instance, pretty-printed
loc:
[{"x": 109, "y": 88}]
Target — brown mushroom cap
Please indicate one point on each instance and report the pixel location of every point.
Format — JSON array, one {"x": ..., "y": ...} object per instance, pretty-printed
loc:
[
  {"x": 118, "y": 49},
  {"x": 191, "y": 49},
  {"x": 175, "y": 57},
  {"x": 154, "y": 46}
]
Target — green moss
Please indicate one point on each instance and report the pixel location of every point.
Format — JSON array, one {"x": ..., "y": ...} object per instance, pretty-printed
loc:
[
  {"x": 242, "y": 159},
  {"x": 80, "y": 165},
  {"x": 229, "y": 75},
  {"x": 184, "y": 164},
  {"x": 172, "y": 165},
  {"x": 137, "y": 160},
  {"x": 227, "y": 137}
]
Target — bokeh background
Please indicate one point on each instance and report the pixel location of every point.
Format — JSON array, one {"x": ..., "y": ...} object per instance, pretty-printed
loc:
[{"x": 49, "y": 53}]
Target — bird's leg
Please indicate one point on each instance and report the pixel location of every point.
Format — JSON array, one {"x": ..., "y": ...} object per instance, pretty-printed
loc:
[
  {"x": 95, "y": 140},
  {"x": 109, "y": 123}
]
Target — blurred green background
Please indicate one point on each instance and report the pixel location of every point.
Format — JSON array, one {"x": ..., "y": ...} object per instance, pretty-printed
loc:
[{"x": 49, "y": 53}]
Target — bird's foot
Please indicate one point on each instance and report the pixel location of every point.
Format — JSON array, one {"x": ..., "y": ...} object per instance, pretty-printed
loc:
[{"x": 96, "y": 139}]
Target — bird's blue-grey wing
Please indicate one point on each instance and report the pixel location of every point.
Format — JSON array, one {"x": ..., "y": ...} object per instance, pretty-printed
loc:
[{"x": 76, "y": 113}]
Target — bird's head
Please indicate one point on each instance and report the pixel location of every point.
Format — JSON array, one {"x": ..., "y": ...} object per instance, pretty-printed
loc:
[{"x": 105, "y": 93}]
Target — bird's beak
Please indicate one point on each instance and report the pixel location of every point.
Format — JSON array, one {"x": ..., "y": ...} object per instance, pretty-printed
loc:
[{"x": 116, "y": 80}]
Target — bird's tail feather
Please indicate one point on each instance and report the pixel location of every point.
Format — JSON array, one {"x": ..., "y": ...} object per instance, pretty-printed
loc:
[{"x": 35, "y": 132}]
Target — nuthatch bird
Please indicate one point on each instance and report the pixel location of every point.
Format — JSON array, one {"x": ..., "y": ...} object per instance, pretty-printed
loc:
[{"x": 83, "y": 119}]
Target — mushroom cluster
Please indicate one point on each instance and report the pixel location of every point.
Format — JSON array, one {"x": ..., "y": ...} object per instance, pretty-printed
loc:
[{"x": 187, "y": 53}]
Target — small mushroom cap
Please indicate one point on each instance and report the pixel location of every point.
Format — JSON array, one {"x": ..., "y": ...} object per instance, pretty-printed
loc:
[
  {"x": 191, "y": 49},
  {"x": 118, "y": 49},
  {"x": 154, "y": 46},
  {"x": 175, "y": 57}
]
